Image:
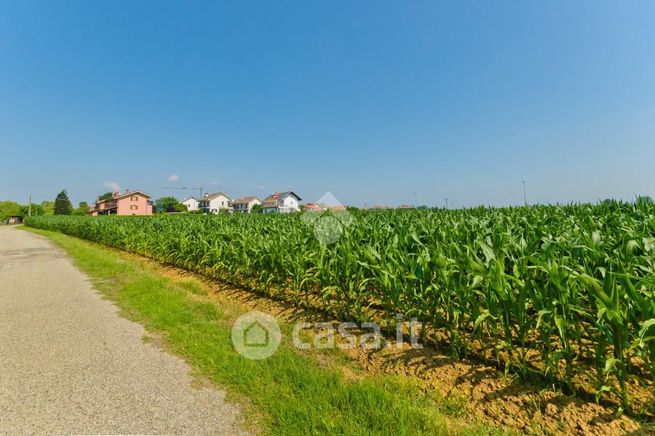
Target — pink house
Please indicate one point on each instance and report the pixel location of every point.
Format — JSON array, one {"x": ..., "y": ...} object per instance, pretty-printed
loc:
[{"x": 130, "y": 203}]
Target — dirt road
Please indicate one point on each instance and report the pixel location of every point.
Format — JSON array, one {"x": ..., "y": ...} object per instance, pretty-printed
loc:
[{"x": 70, "y": 364}]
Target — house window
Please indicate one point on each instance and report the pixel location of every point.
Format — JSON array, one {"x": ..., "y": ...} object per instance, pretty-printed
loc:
[
  {"x": 134, "y": 207},
  {"x": 135, "y": 198}
]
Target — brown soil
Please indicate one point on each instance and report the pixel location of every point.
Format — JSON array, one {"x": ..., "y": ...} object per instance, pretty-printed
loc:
[{"x": 491, "y": 396}]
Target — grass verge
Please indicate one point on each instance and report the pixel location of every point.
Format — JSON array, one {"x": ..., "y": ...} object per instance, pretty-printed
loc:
[{"x": 288, "y": 393}]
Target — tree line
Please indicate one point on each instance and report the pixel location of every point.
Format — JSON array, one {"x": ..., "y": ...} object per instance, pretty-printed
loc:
[
  {"x": 63, "y": 206},
  {"x": 60, "y": 206}
]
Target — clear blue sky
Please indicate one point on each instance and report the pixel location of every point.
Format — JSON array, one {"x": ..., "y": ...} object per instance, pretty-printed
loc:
[{"x": 371, "y": 100}]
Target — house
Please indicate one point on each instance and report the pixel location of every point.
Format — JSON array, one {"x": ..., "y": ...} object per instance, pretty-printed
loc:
[
  {"x": 14, "y": 219},
  {"x": 192, "y": 204},
  {"x": 129, "y": 203},
  {"x": 314, "y": 207},
  {"x": 285, "y": 202},
  {"x": 214, "y": 203},
  {"x": 245, "y": 204},
  {"x": 319, "y": 207}
]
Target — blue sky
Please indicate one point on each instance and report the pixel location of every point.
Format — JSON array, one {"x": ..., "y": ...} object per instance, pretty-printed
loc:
[{"x": 374, "y": 101}]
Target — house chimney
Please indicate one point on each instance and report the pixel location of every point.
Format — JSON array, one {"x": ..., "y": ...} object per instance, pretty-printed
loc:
[{"x": 116, "y": 194}]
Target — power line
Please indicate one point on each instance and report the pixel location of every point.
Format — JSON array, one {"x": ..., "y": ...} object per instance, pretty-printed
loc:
[{"x": 185, "y": 188}]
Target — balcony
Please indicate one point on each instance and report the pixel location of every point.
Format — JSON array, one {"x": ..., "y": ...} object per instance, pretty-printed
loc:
[{"x": 108, "y": 205}]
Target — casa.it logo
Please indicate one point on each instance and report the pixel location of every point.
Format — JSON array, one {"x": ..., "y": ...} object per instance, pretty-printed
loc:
[
  {"x": 328, "y": 217},
  {"x": 256, "y": 335}
]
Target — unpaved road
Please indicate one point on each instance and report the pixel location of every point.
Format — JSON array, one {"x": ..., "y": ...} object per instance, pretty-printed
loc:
[{"x": 70, "y": 364}]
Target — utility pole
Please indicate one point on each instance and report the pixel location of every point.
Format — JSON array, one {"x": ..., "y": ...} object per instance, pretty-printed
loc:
[
  {"x": 525, "y": 196},
  {"x": 415, "y": 204},
  {"x": 446, "y": 203}
]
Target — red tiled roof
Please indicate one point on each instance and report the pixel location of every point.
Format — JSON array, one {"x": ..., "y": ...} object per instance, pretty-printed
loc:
[{"x": 127, "y": 194}]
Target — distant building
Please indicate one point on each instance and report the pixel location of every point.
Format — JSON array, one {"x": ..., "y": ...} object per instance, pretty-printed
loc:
[
  {"x": 319, "y": 207},
  {"x": 14, "y": 219},
  {"x": 285, "y": 202},
  {"x": 313, "y": 207},
  {"x": 214, "y": 203},
  {"x": 192, "y": 204},
  {"x": 245, "y": 204},
  {"x": 129, "y": 203}
]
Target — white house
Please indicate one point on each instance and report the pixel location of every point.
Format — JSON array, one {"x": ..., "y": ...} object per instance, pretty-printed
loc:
[
  {"x": 245, "y": 204},
  {"x": 285, "y": 202},
  {"x": 192, "y": 204},
  {"x": 214, "y": 203}
]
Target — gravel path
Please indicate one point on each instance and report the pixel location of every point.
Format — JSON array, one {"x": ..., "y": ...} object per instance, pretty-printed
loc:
[{"x": 70, "y": 364}]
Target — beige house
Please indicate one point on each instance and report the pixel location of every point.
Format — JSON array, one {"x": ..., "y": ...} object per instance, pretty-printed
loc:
[
  {"x": 214, "y": 203},
  {"x": 245, "y": 204}
]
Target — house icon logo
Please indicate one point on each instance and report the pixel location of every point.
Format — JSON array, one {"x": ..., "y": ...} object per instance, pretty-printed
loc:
[
  {"x": 256, "y": 335},
  {"x": 328, "y": 218}
]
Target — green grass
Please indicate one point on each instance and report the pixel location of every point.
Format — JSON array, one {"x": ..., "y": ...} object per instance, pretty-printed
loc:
[{"x": 288, "y": 393}]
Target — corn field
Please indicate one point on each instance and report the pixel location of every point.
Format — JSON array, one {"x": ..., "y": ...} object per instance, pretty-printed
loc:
[{"x": 562, "y": 293}]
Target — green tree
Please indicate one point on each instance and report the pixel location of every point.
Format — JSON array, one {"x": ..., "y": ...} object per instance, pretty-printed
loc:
[
  {"x": 47, "y": 208},
  {"x": 169, "y": 204},
  {"x": 106, "y": 196},
  {"x": 82, "y": 209},
  {"x": 257, "y": 208},
  {"x": 63, "y": 205},
  {"x": 37, "y": 210},
  {"x": 9, "y": 208}
]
